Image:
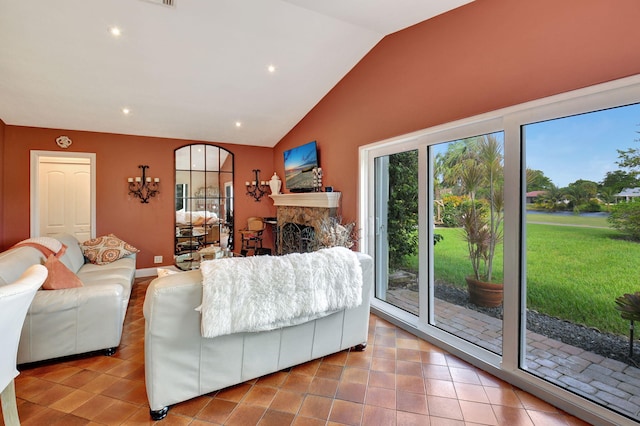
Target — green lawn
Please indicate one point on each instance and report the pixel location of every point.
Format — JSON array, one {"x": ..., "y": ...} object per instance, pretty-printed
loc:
[{"x": 573, "y": 272}]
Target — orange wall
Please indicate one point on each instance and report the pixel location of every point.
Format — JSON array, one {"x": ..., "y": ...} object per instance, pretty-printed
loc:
[
  {"x": 483, "y": 56},
  {"x": 149, "y": 227}
]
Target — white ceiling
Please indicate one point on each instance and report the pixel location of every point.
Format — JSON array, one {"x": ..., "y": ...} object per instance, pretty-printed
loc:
[{"x": 190, "y": 71}]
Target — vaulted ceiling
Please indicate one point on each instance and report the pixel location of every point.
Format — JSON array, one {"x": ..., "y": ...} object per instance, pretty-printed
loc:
[{"x": 197, "y": 69}]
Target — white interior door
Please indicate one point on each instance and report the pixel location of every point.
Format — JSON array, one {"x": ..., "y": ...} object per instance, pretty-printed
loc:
[{"x": 63, "y": 197}]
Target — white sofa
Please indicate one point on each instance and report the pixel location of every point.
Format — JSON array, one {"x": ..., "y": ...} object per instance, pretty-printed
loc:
[
  {"x": 74, "y": 320},
  {"x": 180, "y": 364}
]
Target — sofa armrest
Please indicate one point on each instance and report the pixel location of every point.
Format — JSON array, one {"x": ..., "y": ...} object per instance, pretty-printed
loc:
[{"x": 69, "y": 321}]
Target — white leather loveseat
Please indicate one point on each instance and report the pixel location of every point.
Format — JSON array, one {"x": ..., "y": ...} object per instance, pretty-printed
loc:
[
  {"x": 76, "y": 320},
  {"x": 180, "y": 364}
]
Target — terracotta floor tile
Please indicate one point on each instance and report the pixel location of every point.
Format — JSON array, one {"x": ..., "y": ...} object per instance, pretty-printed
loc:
[
  {"x": 410, "y": 384},
  {"x": 72, "y": 401},
  {"x": 317, "y": 407},
  {"x": 234, "y": 393},
  {"x": 378, "y": 416},
  {"x": 94, "y": 406},
  {"x": 411, "y": 402},
  {"x": 276, "y": 418},
  {"x": 546, "y": 418},
  {"x": 346, "y": 412},
  {"x": 287, "y": 401},
  {"x": 412, "y": 419},
  {"x": 260, "y": 396},
  {"x": 355, "y": 375},
  {"x": 448, "y": 408},
  {"x": 383, "y": 364},
  {"x": 100, "y": 383},
  {"x": 384, "y": 352},
  {"x": 398, "y": 379},
  {"x": 430, "y": 371},
  {"x": 245, "y": 415},
  {"x": 81, "y": 378},
  {"x": 469, "y": 392},
  {"x": 324, "y": 387},
  {"x": 478, "y": 412},
  {"x": 308, "y": 421},
  {"x": 512, "y": 416},
  {"x": 442, "y": 388},
  {"x": 464, "y": 375},
  {"x": 116, "y": 414},
  {"x": 354, "y": 392},
  {"x": 339, "y": 358},
  {"x": 359, "y": 360},
  {"x": 216, "y": 411},
  {"x": 434, "y": 358},
  {"x": 409, "y": 368},
  {"x": 274, "y": 380},
  {"x": 382, "y": 380},
  {"x": 381, "y": 397},
  {"x": 297, "y": 382},
  {"x": 386, "y": 341},
  {"x": 531, "y": 402},
  {"x": 329, "y": 371},
  {"x": 503, "y": 396}
]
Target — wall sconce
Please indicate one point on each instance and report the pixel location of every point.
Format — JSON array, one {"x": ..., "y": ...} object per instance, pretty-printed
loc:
[
  {"x": 257, "y": 188},
  {"x": 144, "y": 187}
]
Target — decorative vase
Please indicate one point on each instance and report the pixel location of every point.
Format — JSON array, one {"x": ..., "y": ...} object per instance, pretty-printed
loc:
[
  {"x": 275, "y": 184},
  {"x": 484, "y": 294}
]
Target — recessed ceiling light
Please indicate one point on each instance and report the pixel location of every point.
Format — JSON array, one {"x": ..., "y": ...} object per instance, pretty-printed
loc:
[
  {"x": 271, "y": 68},
  {"x": 238, "y": 124},
  {"x": 126, "y": 111},
  {"x": 115, "y": 31}
]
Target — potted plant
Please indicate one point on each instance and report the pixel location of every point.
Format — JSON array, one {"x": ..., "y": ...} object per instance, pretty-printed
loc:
[{"x": 481, "y": 219}]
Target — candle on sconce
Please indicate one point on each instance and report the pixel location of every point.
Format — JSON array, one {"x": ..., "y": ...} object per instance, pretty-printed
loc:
[
  {"x": 138, "y": 179},
  {"x": 148, "y": 179},
  {"x": 130, "y": 180},
  {"x": 156, "y": 180},
  {"x": 253, "y": 182},
  {"x": 246, "y": 183}
]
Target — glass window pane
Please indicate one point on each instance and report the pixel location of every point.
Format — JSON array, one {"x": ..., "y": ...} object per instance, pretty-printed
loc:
[
  {"x": 397, "y": 242},
  {"x": 581, "y": 176},
  {"x": 467, "y": 243}
]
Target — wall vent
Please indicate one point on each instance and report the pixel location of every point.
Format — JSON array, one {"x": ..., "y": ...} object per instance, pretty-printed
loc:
[{"x": 170, "y": 3}]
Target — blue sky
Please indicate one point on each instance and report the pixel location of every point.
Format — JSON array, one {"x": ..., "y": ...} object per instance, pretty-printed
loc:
[{"x": 583, "y": 146}]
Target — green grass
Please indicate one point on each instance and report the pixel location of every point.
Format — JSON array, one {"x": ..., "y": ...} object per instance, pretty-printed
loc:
[{"x": 574, "y": 273}]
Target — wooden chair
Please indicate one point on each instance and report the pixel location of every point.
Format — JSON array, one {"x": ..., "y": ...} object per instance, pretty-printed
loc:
[
  {"x": 252, "y": 235},
  {"x": 15, "y": 299}
]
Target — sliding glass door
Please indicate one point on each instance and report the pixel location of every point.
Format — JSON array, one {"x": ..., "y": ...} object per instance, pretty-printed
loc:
[{"x": 512, "y": 240}]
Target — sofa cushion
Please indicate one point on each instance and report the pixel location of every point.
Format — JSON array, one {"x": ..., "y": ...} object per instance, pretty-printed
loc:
[
  {"x": 59, "y": 276},
  {"x": 73, "y": 257},
  {"x": 106, "y": 249}
]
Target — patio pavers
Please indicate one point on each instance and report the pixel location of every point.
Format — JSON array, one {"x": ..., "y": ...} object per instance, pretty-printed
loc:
[{"x": 608, "y": 382}]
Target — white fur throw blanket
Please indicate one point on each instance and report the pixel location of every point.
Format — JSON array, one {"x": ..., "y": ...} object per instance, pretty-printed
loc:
[{"x": 261, "y": 293}]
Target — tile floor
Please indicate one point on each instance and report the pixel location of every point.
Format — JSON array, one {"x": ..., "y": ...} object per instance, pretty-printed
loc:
[{"x": 398, "y": 380}]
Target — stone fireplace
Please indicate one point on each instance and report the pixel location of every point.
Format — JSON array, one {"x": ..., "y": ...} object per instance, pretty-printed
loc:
[{"x": 300, "y": 218}]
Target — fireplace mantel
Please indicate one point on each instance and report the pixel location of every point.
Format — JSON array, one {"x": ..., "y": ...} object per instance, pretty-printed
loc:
[{"x": 328, "y": 200}]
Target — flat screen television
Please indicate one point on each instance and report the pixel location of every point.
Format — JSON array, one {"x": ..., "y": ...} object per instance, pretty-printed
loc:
[{"x": 299, "y": 163}]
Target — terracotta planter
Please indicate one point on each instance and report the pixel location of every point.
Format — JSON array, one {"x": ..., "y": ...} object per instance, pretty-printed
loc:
[{"x": 484, "y": 294}]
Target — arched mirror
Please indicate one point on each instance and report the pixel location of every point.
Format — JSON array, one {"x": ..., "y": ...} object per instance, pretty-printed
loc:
[{"x": 204, "y": 203}]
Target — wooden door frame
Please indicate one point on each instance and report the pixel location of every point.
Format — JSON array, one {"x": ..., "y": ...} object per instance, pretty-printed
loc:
[{"x": 36, "y": 157}]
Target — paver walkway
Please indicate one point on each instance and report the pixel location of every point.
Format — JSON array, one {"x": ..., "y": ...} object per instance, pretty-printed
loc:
[{"x": 611, "y": 383}]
